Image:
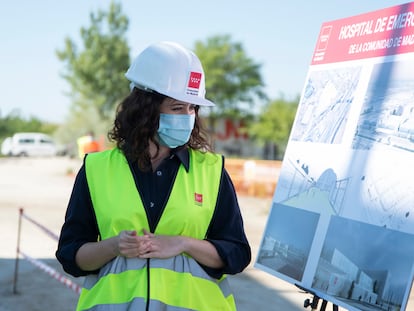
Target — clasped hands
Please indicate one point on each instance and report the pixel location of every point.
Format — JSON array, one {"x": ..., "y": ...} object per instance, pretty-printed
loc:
[{"x": 148, "y": 245}]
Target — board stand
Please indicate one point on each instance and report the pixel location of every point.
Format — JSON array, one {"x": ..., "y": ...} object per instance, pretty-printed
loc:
[{"x": 313, "y": 303}]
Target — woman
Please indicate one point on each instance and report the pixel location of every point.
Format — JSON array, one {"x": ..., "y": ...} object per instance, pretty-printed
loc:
[{"x": 154, "y": 224}]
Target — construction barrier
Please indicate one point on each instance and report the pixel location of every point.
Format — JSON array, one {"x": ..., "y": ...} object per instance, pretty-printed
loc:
[
  {"x": 38, "y": 263},
  {"x": 257, "y": 178}
]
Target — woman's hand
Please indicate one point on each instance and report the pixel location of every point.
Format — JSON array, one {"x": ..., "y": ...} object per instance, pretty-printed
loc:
[
  {"x": 130, "y": 245},
  {"x": 127, "y": 243},
  {"x": 160, "y": 246},
  {"x": 163, "y": 246}
]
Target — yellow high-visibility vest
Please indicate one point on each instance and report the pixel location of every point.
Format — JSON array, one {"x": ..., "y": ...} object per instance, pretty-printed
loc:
[{"x": 177, "y": 283}]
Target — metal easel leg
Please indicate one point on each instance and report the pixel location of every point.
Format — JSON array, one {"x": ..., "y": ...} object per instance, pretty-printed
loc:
[
  {"x": 314, "y": 304},
  {"x": 315, "y": 300}
]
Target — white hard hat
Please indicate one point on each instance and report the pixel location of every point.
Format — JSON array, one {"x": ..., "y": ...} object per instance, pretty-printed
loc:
[{"x": 172, "y": 70}]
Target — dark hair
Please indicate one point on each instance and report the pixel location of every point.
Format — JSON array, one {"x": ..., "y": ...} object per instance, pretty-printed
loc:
[{"x": 136, "y": 123}]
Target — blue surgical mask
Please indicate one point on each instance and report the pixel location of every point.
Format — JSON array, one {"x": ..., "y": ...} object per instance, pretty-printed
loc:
[{"x": 175, "y": 129}]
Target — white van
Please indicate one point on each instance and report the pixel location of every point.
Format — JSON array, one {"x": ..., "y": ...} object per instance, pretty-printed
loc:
[{"x": 29, "y": 144}]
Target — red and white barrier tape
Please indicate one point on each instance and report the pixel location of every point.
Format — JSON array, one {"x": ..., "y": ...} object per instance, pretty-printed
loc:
[
  {"x": 52, "y": 272},
  {"x": 46, "y": 230}
]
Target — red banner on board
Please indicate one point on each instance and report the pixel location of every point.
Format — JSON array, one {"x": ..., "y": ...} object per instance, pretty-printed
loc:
[{"x": 380, "y": 33}]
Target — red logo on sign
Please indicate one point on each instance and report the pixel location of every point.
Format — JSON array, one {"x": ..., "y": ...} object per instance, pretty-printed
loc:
[
  {"x": 198, "y": 198},
  {"x": 195, "y": 79}
]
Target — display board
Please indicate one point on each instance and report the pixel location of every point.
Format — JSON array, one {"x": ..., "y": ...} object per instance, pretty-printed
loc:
[{"x": 341, "y": 223}]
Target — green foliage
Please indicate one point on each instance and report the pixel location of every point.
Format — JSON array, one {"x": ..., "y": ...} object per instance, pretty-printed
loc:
[
  {"x": 13, "y": 123},
  {"x": 96, "y": 73},
  {"x": 83, "y": 118},
  {"x": 274, "y": 123},
  {"x": 233, "y": 80}
]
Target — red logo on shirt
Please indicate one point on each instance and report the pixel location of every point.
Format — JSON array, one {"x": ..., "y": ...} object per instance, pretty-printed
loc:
[
  {"x": 195, "y": 79},
  {"x": 198, "y": 198}
]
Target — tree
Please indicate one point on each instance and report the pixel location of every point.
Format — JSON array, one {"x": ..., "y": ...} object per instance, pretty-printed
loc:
[
  {"x": 233, "y": 80},
  {"x": 13, "y": 123},
  {"x": 274, "y": 124},
  {"x": 96, "y": 73}
]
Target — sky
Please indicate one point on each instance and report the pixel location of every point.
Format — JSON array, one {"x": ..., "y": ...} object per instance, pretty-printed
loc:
[{"x": 279, "y": 35}]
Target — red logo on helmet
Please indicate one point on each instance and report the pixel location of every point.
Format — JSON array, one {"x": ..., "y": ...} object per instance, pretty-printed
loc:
[{"x": 195, "y": 79}]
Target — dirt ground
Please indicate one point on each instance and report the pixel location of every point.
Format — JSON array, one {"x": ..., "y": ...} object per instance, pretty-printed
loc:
[{"x": 41, "y": 188}]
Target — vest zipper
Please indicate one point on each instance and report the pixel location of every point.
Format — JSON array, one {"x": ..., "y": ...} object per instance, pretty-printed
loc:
[{"x": 147, "y": 306}]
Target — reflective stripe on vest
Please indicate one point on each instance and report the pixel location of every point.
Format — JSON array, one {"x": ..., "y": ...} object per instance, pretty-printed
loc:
[
  {"x": 122, "y": 283},
  {"x": 177, "y": 283}
]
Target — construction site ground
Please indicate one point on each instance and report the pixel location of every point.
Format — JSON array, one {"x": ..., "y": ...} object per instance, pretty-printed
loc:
[{"x": 40, "y": 188}]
